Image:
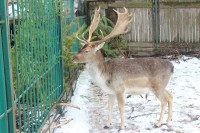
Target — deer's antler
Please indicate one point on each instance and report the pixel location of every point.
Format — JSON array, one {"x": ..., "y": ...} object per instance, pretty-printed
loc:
[
  {"x": 94, "y": 24},
  {"x": 82, "y": 40},
  {"x": 121, "y": 25}
]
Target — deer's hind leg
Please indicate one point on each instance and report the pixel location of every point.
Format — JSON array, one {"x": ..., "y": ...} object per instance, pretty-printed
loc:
[
  {"x": 161, "y": 97},
  {"x": 170, "y": 103},
  {"x": 165, "y": 98},
  {"x": 158, "y": 87},
  {"x": 159, "y": 91}
]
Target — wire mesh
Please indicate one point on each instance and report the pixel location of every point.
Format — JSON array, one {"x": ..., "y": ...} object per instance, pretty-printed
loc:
[{"x": 36, "y": 60}]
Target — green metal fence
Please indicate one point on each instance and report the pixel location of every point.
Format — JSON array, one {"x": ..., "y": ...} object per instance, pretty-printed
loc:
[
  {"x": 34, "y": 28},
  {"x": 7, "y": 122},
  {"x": 35, "y": 34}
]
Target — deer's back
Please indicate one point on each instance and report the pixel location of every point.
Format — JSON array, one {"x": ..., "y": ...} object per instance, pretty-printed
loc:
[{"x": 139, "y": 67}]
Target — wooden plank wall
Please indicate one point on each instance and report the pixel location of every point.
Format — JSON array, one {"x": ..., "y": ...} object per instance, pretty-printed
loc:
[
  {"x": 175, "y": 25},
  {"x": 180, "y": 25},
  {"x": 141, "y": 29}
]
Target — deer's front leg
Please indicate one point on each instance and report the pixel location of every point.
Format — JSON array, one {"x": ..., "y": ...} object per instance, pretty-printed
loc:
[
  {"x": 111, "y": 99},
  {"x": 120, "y": 100}
]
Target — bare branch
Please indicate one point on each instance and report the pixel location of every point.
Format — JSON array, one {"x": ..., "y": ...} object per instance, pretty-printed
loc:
[
  {"x": 61, "y": 124},
  {"x": 69, "y": 105}
]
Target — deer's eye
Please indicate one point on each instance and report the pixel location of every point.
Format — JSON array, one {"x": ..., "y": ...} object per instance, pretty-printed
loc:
[{"x": 86, "y": 51}]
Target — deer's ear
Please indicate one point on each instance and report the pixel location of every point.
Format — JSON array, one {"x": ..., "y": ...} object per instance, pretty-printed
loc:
[{"x": 99, "y": 46}]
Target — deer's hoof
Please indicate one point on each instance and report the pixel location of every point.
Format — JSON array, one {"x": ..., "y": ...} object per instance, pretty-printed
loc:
[
  {"x": 121, "y": 130},
  {"x": 157, "y": 125},
  {"x": 106, "y": 127}
]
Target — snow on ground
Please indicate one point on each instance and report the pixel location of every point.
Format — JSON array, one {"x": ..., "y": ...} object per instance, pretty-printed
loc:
[
  {"x": 80, "y": 122},
  {"x": 140, "y": 114}
]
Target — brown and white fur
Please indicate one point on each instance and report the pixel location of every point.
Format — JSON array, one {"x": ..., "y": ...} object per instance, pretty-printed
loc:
[{"x": 132, "y": 76}]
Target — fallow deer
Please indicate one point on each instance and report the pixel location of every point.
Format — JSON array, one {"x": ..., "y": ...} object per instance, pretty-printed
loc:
[{"x": 119, "y": 76}]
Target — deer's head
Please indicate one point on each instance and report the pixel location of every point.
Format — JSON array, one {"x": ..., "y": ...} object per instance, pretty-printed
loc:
[{"x": 90, "y": 48}]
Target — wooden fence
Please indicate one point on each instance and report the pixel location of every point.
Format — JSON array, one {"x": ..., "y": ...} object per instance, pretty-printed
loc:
[
  {"x": 141, "y": 29},
  {"x": 175, "y": 25},
  {"x": 178, "y": 24}
]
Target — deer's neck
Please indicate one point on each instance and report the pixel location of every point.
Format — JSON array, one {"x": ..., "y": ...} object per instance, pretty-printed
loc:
[
  {"x": 98, "y": 70},
  {"x": 98, "y": 62},
  {"x": 97, "y": 67}
]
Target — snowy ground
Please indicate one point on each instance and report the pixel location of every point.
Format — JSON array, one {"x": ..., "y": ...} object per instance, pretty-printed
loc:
[{"x": 140, "y": 114}]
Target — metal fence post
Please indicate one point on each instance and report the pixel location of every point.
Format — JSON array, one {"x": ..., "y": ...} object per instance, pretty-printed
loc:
[
  {"x": 156, "y": 22},
  {"x": 74, "y": 28},
  {"x": 10, "y": 110},
  {"x": 61, "y": 50},
  {"x": 3, "y": 101}
]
